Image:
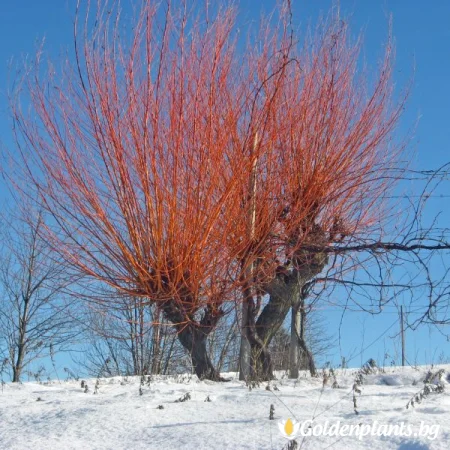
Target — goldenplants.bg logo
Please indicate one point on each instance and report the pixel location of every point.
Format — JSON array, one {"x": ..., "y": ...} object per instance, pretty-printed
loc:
[{"x": 291, "y": 429}]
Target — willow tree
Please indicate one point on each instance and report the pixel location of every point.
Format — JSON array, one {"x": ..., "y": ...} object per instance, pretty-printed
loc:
[
  {"x": 321, "y": 167},
  {"x": 130, "y": 148},
  {"x": 185, "y": 171}
]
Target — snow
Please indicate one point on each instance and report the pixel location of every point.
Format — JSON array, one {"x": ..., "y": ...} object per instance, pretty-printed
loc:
[{"x": 118, "y": 417}]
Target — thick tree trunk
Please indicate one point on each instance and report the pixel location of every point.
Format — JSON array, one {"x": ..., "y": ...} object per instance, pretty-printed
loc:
[
  {"x": 18, "y": 365},
  {"x": 284, "y": 291},
  {"x": 16, "y": 374},
  {"x": 194, "y": 341},
  {"x": 193, "y": 337}
]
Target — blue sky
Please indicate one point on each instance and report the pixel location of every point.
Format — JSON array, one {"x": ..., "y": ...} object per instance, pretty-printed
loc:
[{"x": 422, "y": 37}]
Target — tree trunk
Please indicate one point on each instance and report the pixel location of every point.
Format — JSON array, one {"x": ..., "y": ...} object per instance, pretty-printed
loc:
[
  {"x": 193, "y": 337},
  {"x": 21, "y": 350},
  {"x": 245, "y": 350},
  {"x": 156, "y": 345},
  {"x": 17, "y": 367},
  {"x": 302, "y": 341},
  {"x": 261, "y": 368},
  {"x": 294, "y": 348},
  {"x": 16, "y": 374},
  {"x": 298, "y": 342},
  {"x": 194, "y": 341},
  {"x": 284, "y": 291}
]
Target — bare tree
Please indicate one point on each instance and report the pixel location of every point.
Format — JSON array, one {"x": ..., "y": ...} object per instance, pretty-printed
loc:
[
  {"x": 35, "y": 319},
  {"x": 127, "y": 340},
  {"x": 143, "y": 202}
]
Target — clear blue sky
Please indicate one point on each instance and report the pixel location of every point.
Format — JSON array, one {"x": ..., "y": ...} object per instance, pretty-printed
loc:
[{"x": 422, "y": 37}]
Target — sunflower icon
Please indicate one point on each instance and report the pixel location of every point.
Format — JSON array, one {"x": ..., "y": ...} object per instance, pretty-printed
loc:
[{"x": 289, "y": 428}]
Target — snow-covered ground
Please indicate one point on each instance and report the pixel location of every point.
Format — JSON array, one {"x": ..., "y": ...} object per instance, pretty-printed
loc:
[{"x": 60, "y": 415}]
